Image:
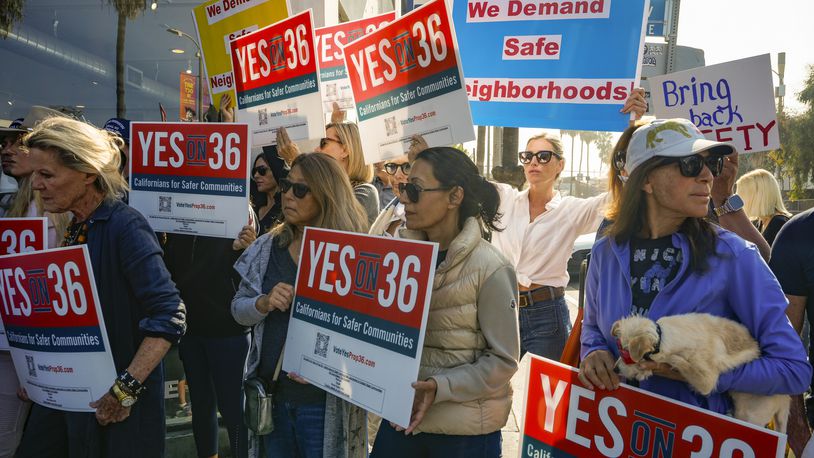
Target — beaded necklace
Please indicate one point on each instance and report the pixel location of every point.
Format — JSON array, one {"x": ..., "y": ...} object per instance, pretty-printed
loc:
[{"x": 76, "y": 233}]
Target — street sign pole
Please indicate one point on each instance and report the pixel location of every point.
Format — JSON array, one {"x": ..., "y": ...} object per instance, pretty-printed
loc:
[{"x": 672, "y": 34}]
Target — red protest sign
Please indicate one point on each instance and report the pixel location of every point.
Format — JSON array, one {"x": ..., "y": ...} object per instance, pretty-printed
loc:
[
  {"x": 21, "y": 235},
  {"x": 48, "y": 289},
  {"x": 563, "y": 418},
  {"x": 418, "y": 45},
  {"x": 378, "y": 279},
  {"x": 281, "y": 52},
  {"x": 217, "y": 150},
  {"x": 330, "y": 40}
]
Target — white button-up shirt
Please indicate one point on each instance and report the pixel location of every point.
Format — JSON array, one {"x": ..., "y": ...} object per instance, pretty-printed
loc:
[{"x": 540, "y": 249}]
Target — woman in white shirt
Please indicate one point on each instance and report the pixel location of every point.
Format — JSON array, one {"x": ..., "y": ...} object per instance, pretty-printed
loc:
[{"x": 540, "y": 229}]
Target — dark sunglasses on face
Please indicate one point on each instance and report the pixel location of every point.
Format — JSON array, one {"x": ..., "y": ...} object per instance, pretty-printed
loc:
[
  {"x": 391, "y": 168},
  {"x": 413, "y": 191},
  {"x": 691, "y": 166},
  {"x": 300, "y": 189},
  {"x": 260, "y": 170},
  {"x": 323, "y": 142},
  {"x": 543, "y": 157}
]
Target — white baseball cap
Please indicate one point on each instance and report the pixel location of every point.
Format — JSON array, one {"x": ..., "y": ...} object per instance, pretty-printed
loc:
[{"x": 669, "y": 138}]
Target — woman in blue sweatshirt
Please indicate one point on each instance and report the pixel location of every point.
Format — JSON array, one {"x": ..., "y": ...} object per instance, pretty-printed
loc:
[{"x": 661, "y": 257}]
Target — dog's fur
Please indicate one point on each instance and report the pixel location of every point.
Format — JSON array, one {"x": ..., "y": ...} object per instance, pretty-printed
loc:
[{"x": 700, "y": 347}]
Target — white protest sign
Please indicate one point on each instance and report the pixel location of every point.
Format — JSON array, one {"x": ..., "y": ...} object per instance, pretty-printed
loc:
[
  {"x": 191, "y": 178},
  {"x": 55, "y": 327},
  {"x": 277, "y": 81},
  {"x": 358, "y": 318},
  {"x": 21, "y": 235},
  {"x": 730, "y": 102},
  {"x": 406, "y": 80}
]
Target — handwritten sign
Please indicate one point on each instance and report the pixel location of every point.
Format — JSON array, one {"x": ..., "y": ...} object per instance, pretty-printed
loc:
[
  {"x": 730, "y": 102},
  {"x": 406, "y": 80},
  {"x": 562, "y": 418},
  {"x": 55, "y": 328},
  {"x": 562, "y": 65},
  {"x": 191, "y": 178},
  {"x": 359, "y": 315}
]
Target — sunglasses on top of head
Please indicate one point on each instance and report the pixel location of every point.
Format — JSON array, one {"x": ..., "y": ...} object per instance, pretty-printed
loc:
[
  {"x": 413, "y": 191},
  {"x": 300, "y": 189},
  {"x": 392, "y": 167},
  {"x": 692, "y": 165},
  {"x": 323, "y": 142},
  {"x": 543, "y": 157}
]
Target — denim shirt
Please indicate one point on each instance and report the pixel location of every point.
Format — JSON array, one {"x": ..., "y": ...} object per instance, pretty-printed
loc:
[
  {"x": 136, "y": 293},
  {"x": 738, "y": 285}
]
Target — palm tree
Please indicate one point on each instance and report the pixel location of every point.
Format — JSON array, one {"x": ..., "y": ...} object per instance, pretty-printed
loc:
[
  {"x": 11, "y": 11},
  {"x": 604, "y": 142},
  {"x": 126, "y": 9},
  {"x": 573, "y": 135}
]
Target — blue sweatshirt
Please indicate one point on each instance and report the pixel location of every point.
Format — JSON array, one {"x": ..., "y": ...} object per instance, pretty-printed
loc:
[{"x": 738, "y": 285}]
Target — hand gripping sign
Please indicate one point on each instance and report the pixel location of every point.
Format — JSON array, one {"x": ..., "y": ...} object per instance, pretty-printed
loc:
[
  {"x": 21, "y": 235},
  {"x": 358, "y": 319},
  {"x": 562, "y": 418},
  {"x": 729, "y": 102},
  {"x": 220, "y": 21},
  {"x": 55, "y": 327},
  {"x": 333, "y": 76},
  {"x": 406, "y": 80},
  {"x": 277, "y": 80},
  {"x": 191, "y": 178}
]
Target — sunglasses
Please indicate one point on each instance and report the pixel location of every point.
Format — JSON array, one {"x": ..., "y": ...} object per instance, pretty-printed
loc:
[
  {"x": 543, "y": 157},
  {"x": 691, "y": 166},
  {"x": 300, "y": 189},
  {"x": 413, "y": 191},
  {"x": 260, "y": 170},
  {"x": 391, "y": 168},
  {"x": 323, "y": 142}
]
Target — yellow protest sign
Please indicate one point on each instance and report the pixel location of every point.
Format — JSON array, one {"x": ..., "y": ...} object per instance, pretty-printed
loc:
[{"x": 220, "y": 21}]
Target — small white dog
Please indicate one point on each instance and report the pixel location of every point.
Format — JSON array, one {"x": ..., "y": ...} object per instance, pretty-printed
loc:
[{"x": 700, "y": 347}]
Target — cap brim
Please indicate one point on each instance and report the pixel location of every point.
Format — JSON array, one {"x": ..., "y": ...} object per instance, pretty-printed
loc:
[{"x": 11, "y": 130}]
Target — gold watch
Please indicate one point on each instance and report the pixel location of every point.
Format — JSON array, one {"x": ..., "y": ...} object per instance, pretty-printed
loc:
[{"x": 125, "y": 399}]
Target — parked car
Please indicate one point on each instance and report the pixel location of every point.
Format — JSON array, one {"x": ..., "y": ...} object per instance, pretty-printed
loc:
[{"x": 582, "y": 246}]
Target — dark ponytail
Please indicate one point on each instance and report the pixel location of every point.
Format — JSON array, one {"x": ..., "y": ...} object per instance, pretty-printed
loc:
[{"x": 452, "y": 167}]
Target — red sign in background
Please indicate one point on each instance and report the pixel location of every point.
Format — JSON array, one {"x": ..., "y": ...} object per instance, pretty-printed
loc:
[
  {"x": 417, "y": 35},
  {"x": 48, "y": 289},
  {"x": 22, "y": 235},
  {"x": 331, "y": 39},
  {"x": 565, "y": 419},
  {"x": 199, "y": 145},
  {"x": 370, "y": 273},
  {"x": 280, "y": 42}
]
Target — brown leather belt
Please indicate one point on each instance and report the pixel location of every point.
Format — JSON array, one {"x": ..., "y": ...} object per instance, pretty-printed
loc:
[{"x": 541, "y": 294}]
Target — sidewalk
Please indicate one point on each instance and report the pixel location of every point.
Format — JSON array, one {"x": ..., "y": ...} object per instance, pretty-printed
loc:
[{"x": 511, "y": 432}]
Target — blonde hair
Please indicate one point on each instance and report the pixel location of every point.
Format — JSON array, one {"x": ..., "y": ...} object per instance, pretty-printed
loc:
[
  {"x": 22, "y": 202},
  {"x": 348, "y": 133},
  {"x": 338, "y": 207},
  {"x": 761, "y": 195},
  {"x": 84, "y": 148},
  {"x": 556, "y": 142}
]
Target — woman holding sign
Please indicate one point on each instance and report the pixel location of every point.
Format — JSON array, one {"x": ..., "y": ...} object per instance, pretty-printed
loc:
[
  {"x": 343, "y": 143},
  {"x": 660, "y": 257},
  {"x": 472, "y": 344},
  {"x": 76, "y": 169},
  {"x": 308, "y": 422}
]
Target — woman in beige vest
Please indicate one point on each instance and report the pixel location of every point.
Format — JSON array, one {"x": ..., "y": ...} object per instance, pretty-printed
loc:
[{"x": 472, "y": 343}]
